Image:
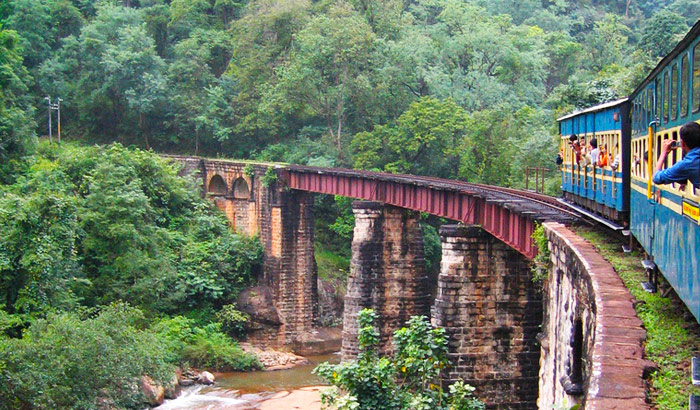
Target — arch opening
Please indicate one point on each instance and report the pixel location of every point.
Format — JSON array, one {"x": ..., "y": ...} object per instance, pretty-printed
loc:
[
  {"x": 217, "y": 186},
  {"x": 241, "y": 189}
]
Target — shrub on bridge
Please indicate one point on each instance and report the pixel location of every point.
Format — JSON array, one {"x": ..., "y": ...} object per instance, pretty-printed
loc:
[{"x": 409, "y": 380}]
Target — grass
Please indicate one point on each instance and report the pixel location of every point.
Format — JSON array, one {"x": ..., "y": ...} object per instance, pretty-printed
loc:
[
  {"x": 673, "y": 335},
  {"x": 331, "y": 266}
]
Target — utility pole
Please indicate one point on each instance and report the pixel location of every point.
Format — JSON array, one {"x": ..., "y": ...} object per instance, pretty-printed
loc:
[
  {"x": 58, "y": 108},
  {"x": 48, "y": 98}
]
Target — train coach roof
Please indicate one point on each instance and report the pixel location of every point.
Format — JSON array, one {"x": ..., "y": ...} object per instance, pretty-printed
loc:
[
  {"x": 599, "y": 107},
  {"x": 682, "y": 45}
]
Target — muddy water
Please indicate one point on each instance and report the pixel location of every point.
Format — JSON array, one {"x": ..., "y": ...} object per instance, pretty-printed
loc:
[{"x": 246, "y": 390}]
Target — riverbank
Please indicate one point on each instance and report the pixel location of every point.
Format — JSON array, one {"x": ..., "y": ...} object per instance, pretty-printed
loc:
[{"x": 290, "y": 389}]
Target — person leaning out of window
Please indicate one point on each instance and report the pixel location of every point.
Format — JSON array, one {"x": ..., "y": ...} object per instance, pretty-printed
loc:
[{"x": 687, "y": 169}]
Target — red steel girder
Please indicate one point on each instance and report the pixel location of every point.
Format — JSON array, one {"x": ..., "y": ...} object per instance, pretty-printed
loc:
[{"x": 511, "y": 227}]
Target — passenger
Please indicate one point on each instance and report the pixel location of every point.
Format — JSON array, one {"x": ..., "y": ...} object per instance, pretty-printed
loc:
[
  {"x": 615, "y": 162},
  {"x": 687, "y": 168},
  {"x": 576, "y": 146},
  {"x": 560, "y": 158},
  {"x": 603, "y": 157},
  {"x": 593, "y": 151}
]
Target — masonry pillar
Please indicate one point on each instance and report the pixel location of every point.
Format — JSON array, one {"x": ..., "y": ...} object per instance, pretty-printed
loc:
[
  {"x": 387, "y": 272},
  {"x": 289, "y": 265},
  {"x": 491, "y": 311}
]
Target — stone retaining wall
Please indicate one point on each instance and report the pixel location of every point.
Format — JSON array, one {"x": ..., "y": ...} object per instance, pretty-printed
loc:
[{"x": 591, "y": 339}]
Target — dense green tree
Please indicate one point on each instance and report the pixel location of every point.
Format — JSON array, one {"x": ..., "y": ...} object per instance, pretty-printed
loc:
[
  {"x": 489, "y": 147},
  {"x": 661, "y": 33},
  {"x": 16, "y": 112},
  {"x": 327, "y": 67},
  {"x": 606, "y": 44},
  {"x": 429, "y": 129}
]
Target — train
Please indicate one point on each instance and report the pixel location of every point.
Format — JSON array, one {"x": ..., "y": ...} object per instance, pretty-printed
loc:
[{"x": 616, "y": 187}]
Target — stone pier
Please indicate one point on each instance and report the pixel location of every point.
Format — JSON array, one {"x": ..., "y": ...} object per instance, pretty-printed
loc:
[
  {"x": 289, "y": 264},
  {"x": 387, "y": 272},
  {"x": 491, "y": 311}
]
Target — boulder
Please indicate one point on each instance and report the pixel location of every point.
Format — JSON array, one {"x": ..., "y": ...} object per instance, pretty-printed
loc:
[
  {"x": 154, "y": 393},
  {"x": 206, "y": 378},
  {"x": 172, "y": 389},
  {"x": 258, "y": 302}
]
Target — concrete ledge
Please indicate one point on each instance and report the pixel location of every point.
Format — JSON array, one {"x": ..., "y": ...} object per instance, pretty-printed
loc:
[{"x": 614, "y": 366}]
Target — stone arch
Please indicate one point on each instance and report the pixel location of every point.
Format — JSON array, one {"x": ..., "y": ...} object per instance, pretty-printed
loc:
[
  {"x": 241, "y": 189},
  {"x": 217, "y": 186}
]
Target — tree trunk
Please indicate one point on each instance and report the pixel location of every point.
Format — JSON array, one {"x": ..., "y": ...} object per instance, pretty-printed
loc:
[
  {"x": 196, "y": 142},
  {"x": 145, "y": 134}
]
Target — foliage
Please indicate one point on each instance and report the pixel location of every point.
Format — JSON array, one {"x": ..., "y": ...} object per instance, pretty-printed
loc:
[
  {"x": 209, "y": 348},
  {"x": 64, "y": 361},
  {"x": 248, "y": 170},
  {"x": 410, "y": 380},
  {"x": 233, "y": 322},
  {"x": 270, "y": 177},
  {"x": 430, "y": 128},
  {"x": 345, "y": 222},
  {"x": 16, "y": 124},
  {"x": 661, "y": 33},
  {"x": 672, "y": 332},
  {"x": 202, "y": 346},
  {"x": 541, "y": 262},
  {"x": 432, "y": 246},
  {"x": 68, "y": 237}
]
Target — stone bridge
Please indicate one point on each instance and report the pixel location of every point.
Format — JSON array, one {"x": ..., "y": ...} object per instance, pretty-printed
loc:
[{"x": 506, "y": 338}]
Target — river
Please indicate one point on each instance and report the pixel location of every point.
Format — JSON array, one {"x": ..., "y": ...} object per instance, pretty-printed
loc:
[{"x": 247, "y": 390}]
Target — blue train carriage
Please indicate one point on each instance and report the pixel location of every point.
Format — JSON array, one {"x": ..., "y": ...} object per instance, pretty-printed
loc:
[
  {"x": 664, "y": 218},
  {"x": 604, "y": 188}
]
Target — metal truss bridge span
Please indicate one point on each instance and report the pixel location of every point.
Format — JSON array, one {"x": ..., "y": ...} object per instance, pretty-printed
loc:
[{"x": 508, "y": 214}]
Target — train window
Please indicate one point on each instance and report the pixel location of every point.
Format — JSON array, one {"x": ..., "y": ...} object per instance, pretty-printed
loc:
[
  {"x": 657, "y": 148},
  {"x": 673, "y": 92},
  {"x": 696, "y": 78},
  {"x": 684, "y": 86},
  {"x": 657, "y": 98},
  {"x": 665, "y": 93}
]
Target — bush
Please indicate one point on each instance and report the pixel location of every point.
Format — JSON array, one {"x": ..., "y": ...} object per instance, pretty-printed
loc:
[
  {"x": 411, "y": 380},
  {"x": 65, "y": 362},
  {"x": 233, "y": 321},
  {"x": 211, "y": 349},
  {"x": 204, "y": 347}
]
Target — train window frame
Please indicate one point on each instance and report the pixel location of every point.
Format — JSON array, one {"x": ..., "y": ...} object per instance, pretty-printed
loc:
[
  {"x": 657, "y": 91},
  {"x": 650, "y": 106},
  {"x": 685, "y": 78},
  {"x": 645, "y": 107},
  {"x": 665, "y": 106},
  {"x": 695, "y": 79},
  {"x": 673, "y": 93},
  {"x": 674, "y": 153}
]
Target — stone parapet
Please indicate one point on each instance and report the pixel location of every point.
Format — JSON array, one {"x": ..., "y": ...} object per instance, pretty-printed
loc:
[
  {"x": 592, "y": 351},
  {"x": 491, "y": 312}
]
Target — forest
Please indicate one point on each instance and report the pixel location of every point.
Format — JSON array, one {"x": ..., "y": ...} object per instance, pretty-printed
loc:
[{"x": 462, "y": 89}]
